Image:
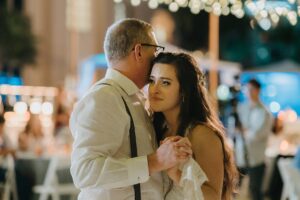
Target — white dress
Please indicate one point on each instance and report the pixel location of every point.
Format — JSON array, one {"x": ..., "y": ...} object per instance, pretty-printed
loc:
[
  {"x": 189, "y": 187},
  {"x": 190, "y": 183}
]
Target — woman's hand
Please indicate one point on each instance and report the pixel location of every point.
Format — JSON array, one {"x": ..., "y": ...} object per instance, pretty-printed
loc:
[
  {"x": 174, "y": 173},
  {"x": 183, "y": 147},
  {"x": 172, "y": 152},
  {"x": 182, "y": 144}
]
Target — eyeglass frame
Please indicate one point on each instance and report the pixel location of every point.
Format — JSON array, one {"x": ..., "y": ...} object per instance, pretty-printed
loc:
[{"x": 157, "y": 50}]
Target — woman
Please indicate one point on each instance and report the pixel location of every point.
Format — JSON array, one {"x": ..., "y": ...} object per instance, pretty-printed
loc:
[
  {"x": 177, "y": 97},
  {"x": 31, "y": 140}
]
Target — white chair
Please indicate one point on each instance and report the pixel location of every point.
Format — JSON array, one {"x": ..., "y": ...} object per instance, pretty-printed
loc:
[
  {"x": 291, "y": 179},
  {"x": 51, "y": 186},
  {"x": 9, "y": 186}
]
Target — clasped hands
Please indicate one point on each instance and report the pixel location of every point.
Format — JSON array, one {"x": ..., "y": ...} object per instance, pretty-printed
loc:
[
  {"x": 171, "y": 153},
  {"x": 176, "y": 151}
]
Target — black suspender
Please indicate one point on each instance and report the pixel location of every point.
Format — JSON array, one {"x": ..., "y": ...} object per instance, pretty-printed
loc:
[{"x": 133, "y": 146}]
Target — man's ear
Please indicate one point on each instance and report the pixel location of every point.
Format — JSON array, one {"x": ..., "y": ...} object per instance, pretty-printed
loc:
[{"x": 138, "y": 52}]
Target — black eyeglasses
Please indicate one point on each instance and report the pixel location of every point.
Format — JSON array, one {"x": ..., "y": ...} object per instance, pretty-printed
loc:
[{"x": 158, "y": 49}]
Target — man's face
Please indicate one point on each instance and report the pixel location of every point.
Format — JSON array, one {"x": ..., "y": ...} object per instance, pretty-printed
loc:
[
  {"x": 149, "y": 52},
  {"x": 253, "y": 92}
]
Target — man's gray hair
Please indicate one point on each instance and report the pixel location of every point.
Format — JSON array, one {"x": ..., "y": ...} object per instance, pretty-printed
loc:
[{"x": 121, "y": 37}]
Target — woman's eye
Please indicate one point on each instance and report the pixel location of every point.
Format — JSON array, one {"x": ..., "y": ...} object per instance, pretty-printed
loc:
[
  {"x": 150, "y": 81},
  {"x": 165, "y": 83}
]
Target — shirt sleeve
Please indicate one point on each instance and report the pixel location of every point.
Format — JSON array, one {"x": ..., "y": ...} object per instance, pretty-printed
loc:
[{"x": 99, "y": 124}]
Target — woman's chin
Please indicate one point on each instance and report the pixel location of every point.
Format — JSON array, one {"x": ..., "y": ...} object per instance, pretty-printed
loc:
[{"x": 155, "y": 109}]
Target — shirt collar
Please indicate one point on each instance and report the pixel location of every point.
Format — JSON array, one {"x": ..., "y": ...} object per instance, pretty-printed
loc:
[
  {"x": 255, "y": 104},
  {"x": 125, "y": 83}
]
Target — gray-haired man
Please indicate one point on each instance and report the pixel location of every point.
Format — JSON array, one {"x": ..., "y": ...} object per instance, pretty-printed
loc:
[{"x": 102, "y": 164}]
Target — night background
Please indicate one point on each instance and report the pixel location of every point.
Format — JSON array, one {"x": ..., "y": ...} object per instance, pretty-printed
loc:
[
  {"x": 51, "y": 52},
  {"x": 238, "y": 41}
]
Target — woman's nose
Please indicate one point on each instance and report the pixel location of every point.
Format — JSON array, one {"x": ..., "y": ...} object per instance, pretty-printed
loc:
[{"x": 154, "y": 88}]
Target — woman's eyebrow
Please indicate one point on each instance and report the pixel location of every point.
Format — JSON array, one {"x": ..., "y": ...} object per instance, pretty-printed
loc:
[{"x": 166, "y": 78}]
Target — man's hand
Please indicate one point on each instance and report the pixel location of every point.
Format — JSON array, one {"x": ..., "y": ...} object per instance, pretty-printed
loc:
[{"x": 172, "y": 151}]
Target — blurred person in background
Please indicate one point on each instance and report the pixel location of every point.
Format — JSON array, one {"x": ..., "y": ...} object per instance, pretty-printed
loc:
[
  {"x": 251, "y": 140},
  {"x": 6, "y": 148},
  {"x": 178, "y": 98},
  {"x": 102, "y": 164},
  {"x": 63, "y": 139},
  {"x": 62, "y": 134},
  {"x": 31, "y": 140}
]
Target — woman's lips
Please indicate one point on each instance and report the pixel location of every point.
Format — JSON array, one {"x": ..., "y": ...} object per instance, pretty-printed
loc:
[{"x": 156, "y": 99}]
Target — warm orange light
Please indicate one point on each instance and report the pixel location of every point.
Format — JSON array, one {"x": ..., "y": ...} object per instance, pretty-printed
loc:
[
  {"x": 288, "y": 116},
  {"x": 284, "y": 145},
  {"x": 291, "y": 115}
]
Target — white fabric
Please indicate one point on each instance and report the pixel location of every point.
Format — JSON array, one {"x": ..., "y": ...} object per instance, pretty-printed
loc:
[
  {"x": 290, "y": 177},
  {"x": 191, "y": 180},
  {"x": 101, "y": 166},
  {"x": 190, "y": 183},
  {"x": 257, "y": 122}
]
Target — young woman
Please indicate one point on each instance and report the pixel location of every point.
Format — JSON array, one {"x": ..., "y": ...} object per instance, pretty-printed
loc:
[{"x": 178, "y": 99}]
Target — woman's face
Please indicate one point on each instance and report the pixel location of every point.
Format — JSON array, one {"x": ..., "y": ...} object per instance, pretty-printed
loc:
[{"x": 163, "y": 91}]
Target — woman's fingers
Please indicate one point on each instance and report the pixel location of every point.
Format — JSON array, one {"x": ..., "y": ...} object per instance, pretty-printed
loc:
[
  {"x": 184, "y": 141},
  {"x": 180, "y": 141},
  {"x": 184, "y": 151}
]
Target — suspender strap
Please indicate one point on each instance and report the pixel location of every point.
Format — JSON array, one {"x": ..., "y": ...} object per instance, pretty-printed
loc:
[
  {"x": 131, "y": 133},
  {"x": 133, "y": 146}
]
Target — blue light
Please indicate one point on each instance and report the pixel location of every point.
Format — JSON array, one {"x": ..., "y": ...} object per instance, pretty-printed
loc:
[
  {"x": 14, "y": 80},
  {"x": 87, "y": 68},
  {"x": 11, "y": 80},
  {"x": 285, "y": 84}
]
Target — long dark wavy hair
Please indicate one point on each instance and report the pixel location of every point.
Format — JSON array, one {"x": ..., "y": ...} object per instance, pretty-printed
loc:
[{"x": 195, "y": 109}]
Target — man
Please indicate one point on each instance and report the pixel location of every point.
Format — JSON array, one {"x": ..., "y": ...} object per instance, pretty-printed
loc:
[
  {"x": 256, "y": 124},
  {"x": 102, "y": 167}
]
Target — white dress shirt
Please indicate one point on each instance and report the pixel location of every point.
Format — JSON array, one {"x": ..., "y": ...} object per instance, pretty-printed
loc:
[
  {"x": 257, "y": 122},
  {"x": 101, "y": 166}
]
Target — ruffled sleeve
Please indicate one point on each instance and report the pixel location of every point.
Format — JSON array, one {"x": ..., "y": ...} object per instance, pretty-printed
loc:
[
  {"x": 191, "y": 180},
  {"x": 189, "y": 187}
]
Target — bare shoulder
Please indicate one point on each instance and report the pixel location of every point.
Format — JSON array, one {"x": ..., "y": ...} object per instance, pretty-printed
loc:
[
  {"x": 208, "y": 153},
  {"x": 206, "y": 144},
  {"x": 204, "y": 135}
]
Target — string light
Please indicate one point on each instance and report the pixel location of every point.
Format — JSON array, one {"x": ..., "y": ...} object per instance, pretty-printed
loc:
[
  {"x": 267, "y": 13},
  {"x": 135, "y": 2},
  {"x": 218, "y": 7}
]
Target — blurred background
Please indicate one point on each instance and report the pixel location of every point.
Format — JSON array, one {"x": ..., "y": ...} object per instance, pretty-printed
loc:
[{"x": 51, "y": 52}]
